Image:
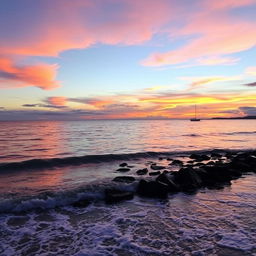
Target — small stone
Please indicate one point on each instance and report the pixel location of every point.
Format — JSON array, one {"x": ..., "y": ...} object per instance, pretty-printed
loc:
[
  {"x": 123, "y": 164},
  {"x": 154, "y": 173},
  {"x": 142, "y": 171},
  {"x": 156, "y": 167},
  {"x": 123, "y": 169},
  {"x": 125, "y": 179}
]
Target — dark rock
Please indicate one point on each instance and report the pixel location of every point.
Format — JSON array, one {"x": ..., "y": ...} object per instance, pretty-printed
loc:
[
  {"x": 188, "y": 179},
  {"x": 217, "y": 155},
  {"x": 194, "y": 156},
  {"x": 116, "y": 195},
  {"x": 154, "y": 173},
  {"x": 123, "y": 164},
  {"x": 123, "y": 169},
  {"x": 176, "y": 162},
  {"x": 160, "y": 158},
  {"x": 125, "y": 179},
  {"x": 169, "y": 159},
  {"x": 81, "y": 203},
  {"x": 142, "y": 171},
  {"x": 211, "y": 163},
  {"x": 172, "y": 187},
  {"x": 199, "y": 158},
  {"x": 153, "y": 189},
  {"x": 156, "y": 167},
  {"x": 220, "y": 173}
]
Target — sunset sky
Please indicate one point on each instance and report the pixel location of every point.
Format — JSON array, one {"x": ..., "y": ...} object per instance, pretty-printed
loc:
[{"x": 100, "y": 59}]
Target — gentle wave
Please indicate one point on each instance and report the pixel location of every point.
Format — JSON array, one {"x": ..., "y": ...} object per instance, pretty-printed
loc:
[
  {"x": 50, "y": 200},
  {"x": 38, "y": 163},
  {"x": 237, "y": 133}
]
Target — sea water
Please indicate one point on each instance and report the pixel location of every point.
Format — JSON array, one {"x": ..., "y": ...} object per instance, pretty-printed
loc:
[{"x": 47, "y": 166}]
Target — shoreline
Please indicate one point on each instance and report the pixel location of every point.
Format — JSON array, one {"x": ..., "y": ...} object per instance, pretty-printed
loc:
[{"x": 155, "y": 175}]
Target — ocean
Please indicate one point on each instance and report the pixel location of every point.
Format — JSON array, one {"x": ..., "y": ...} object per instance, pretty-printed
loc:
[{"x": 47, "y": 166}]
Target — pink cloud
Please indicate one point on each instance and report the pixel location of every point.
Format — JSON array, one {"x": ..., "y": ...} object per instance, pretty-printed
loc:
[
  {"x": 41, "y": 75},
  {"x": 65, "y": 25},
  {"x": 213, "y": 33},
  {"x": 228, "y": 4}
]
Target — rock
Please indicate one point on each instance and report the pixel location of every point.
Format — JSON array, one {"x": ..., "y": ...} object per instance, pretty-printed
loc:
[
  {"x": 125, "y": 179},
  {"x": 116, "y": 195},
  {"x": 156, "y": 167},
  {"x": 169, "y": 159},
  {"x": 123, "y": 164},
  {"x": 176, "y": 162},
  {"x": 154, "y": 189},
  {"x": 194, "y": 156},
  {"x": 172, "y": 187},
  {"x": 199, "y": 158},
  {"x": 220, "y": 173},
  {"x": 217, "y": 155},
  {"x": 81, "y": 203},
  {"x": 160, "y": 158},
  {"x": 123, "y": 169},
  {"x": 142, "y": 171},
  {"x": 188, "y": 179},
  {"x": 154, "y": 173}
]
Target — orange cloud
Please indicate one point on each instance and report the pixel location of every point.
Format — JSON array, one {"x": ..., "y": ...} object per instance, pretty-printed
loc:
[
  {"x": 41, "y": 75},
  {"x": 57, "y": 101}
]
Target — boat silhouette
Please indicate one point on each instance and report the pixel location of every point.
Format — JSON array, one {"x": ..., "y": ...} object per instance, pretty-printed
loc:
[{"x": 195, "y": 119}]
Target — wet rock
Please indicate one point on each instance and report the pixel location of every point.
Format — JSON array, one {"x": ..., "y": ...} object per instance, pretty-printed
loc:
[
  {"x": 221, "y": 173},
  {"x": 169, "y": 159},
  {"x": 116, "y": 195},
  {"x": 123, "y": 164},
  {"x": 123, "y": 169},
  {"x": 199, "y": 158},
  {"x": 154, "y": 173},
  {"x": 172, "y": 187},
  {"x": 188, "y": 179},
  {"x": 156, "y": 167},
  {"x": 176, "y": 162},
  {"x": 194, "y": 156},
  {"x": 142, "y": 171},
  {"x": 217, "y": 155},
  {"x": 154, "y": 189},
  {"x": 81, "y": 203},
  {"x": 125, "y": 179}
]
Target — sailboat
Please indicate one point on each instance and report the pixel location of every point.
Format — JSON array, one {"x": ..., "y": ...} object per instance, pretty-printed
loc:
[{"x": 195, "y": 119}]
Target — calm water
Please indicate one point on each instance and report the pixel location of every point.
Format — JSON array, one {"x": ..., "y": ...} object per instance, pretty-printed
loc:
[
  {"x": 36, "y": 212},
  {"x": 27, "y": 140}
]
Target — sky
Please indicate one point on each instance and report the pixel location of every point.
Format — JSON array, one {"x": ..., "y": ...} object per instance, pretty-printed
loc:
[{"x": 112, "y": 59}]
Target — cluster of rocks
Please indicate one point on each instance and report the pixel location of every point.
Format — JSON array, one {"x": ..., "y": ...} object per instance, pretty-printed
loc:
[{"x": 212, "y": 171}]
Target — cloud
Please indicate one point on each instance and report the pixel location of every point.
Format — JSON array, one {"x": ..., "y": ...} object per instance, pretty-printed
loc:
[
  {"x": 251, "y": 84},
  {"x": 201, "y": 81},
  {"x": 211, "y": 31},
  {"x": 41, "y": 75},
  {"x": 216, "y": 60},
  {"x": 251, "y": 71},
  {"x": 55, "y": 26},
  {"x": 39, "y": 105},
  {"x": 57, "y": 101},
  {"x": 249, "y": 111}
]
